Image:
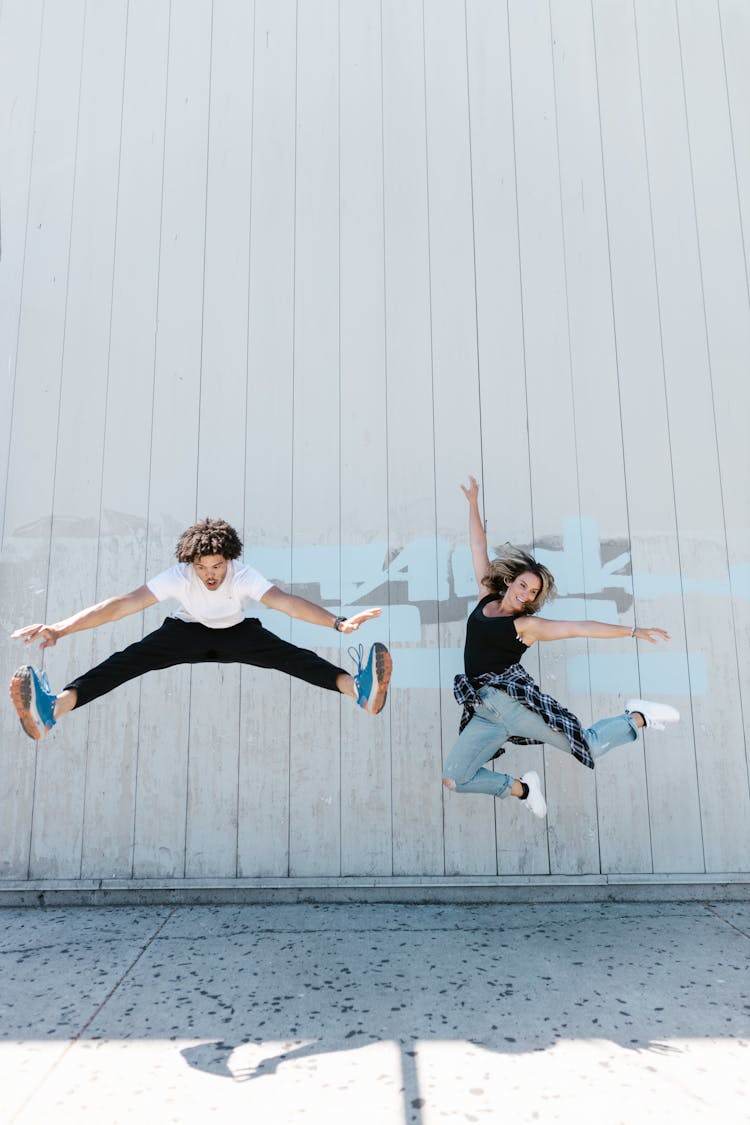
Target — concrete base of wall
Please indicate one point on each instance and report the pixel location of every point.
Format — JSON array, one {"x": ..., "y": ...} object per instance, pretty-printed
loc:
[{"x": 519, "y": 889}]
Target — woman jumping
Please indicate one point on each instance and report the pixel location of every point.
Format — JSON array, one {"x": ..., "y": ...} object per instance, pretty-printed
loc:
[{"x": 501, "y": 701}]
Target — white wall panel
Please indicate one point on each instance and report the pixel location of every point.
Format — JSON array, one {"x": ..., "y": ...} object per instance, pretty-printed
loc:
[
  {"x": 315, "y": 754},
  {"x": 263, "y": 832},
  {"x": 211, "y": 841},
  {"x": 504, "y": 469},
  {"x": 61, "y": 779},
  {"x": 624, "y": 844},
  {"x": 734, "y": 29},
  {"x": 365, "y": 740},
  {"x": 414, "y": 553},
  {"x": 307, "y": 265},
  {"x": 20, "y": 42},
  {"x": 161, "y": 804},
  {"x": 469, "y": 823},
  {"x": 715, "y": 503},
  {"x": 551, "y": 420},
  {"x": 112, "y": 762},
  {"x": 730, "y": 357},
  {"x": 38, "y": 375},
  {"x": 654, "y": 542}
]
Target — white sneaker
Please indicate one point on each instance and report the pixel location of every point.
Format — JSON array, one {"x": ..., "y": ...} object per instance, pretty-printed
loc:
[
  {"x": 535, "y": 801},
  {"x": 657, "y": 715}
]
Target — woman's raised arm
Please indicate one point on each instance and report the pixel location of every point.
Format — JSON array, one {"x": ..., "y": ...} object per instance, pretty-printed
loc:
[{"x": 477, "y": 536}]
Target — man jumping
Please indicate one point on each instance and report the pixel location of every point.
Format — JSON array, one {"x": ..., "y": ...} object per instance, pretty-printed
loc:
[{"x": 208, "y": 625}]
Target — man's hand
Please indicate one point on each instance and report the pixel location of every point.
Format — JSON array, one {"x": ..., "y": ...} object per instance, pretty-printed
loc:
[
  {"x": 46, "y": 634},
  {"x": 303, "y": 610},
  {"x": 353, "y": 623},
  {"x": 111, "y": 609}
]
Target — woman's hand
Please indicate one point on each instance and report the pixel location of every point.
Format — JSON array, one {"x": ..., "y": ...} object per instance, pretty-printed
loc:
[
  {"x": 651, "y": 635},
  {"x": 353, "y": 623},
  {"x": 46, "y": 634},
  {"x": 472, "y": 491}
]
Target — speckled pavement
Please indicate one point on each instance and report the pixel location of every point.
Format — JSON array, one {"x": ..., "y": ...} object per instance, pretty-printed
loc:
[{"x": 382, "y": 1014}]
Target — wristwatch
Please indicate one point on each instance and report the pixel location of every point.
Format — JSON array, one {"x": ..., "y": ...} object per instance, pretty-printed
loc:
[{"x": 338, "y": 623}]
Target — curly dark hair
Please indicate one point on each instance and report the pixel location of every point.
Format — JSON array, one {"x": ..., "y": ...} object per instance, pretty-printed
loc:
[{"x": 209, "y": 537}]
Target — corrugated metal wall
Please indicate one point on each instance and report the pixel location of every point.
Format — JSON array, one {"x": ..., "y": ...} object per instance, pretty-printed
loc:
[{"x": 306, "y": 266}]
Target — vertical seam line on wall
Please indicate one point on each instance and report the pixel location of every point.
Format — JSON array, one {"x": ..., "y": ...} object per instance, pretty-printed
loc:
[
  {"x": 23, "y": 261},
  {"x": 209, "y": 109},
  {"x": 520, "y": 271},
  {"x": 666, "y": 404},
  {"x": 65, "y": 306},
  {"x": 15, "y": 361},
  {"x": 153, "y": 396},
  {"x": 65, "y": 309},
  {"x": 713, "y": 396},
  {"x": 473, "y": 237},
  {"x": 432, "y": 385},
  {"x": 186, "y": 819},
  {"x": 476, "y": 318},
  {"x": 338, "y": 326},
  {"x": 62, "y": 373},
  {"x": 706, "y": 328},
  {"x": 616, "y": 355},
  {"x": 106, "y": 405},
  {"x": 662, "y": 359},
  {"x": 572, "y": 384},
  {"x": 247, "y": 404},
  {"x": 203, "y": 272},
  {"x": 294, "y": 400},
  {"x": 734, "y": 149},
  {"x": 523, "y": 329},
  {"x": 387, "y": 404}
]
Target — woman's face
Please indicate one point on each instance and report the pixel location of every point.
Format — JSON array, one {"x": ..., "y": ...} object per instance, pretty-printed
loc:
[{"x": 522, "y": 590}]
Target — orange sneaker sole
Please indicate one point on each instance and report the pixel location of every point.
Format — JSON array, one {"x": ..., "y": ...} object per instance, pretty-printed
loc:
[
  {"x": 20, "y": 693},
  {"x": 383, "y": 668}
]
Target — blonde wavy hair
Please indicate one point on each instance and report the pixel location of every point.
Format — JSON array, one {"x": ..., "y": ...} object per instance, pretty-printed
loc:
[{"x": 508, "y": 565}]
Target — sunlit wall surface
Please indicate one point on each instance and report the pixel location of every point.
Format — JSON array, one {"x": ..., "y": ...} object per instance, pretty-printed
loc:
[{"x": 306, "y": 266}]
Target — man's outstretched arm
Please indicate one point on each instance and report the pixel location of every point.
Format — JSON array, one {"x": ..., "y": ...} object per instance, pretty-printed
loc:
[
  {"x": 112, "y": 609},
  {"x": 304, "y": 610}
]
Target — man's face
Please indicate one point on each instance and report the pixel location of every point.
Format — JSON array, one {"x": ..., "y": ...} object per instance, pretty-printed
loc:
[{"x": 211, "y": 569}]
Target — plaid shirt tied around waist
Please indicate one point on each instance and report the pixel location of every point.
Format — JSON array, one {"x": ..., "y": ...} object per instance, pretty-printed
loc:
[{"x": 516, "y": 682}]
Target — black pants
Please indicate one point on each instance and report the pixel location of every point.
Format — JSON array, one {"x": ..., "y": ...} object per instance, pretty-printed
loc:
[{"x": 183, "y": 642}]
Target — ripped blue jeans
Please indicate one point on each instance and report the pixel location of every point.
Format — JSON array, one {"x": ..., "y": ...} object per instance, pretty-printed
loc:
[{"x": 496, "y": 719}]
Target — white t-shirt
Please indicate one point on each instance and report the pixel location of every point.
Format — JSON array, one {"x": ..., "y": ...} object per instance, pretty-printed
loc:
[{"x": 219, "y": 608}]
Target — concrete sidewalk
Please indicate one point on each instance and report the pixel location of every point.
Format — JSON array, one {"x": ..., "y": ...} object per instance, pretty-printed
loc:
[{"x": 376, "y": 1014}]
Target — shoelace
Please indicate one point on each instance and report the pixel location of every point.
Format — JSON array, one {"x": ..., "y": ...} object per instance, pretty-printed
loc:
[{"x": 357, "y": 652}]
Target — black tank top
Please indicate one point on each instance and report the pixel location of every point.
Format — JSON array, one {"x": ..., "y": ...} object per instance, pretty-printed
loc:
[{"x": 491, "y": 642}]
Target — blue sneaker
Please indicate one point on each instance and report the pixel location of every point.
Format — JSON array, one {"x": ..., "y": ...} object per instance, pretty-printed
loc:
[
  {"x": 372, "y": 678},
  {"x": 33, "y": 700}
]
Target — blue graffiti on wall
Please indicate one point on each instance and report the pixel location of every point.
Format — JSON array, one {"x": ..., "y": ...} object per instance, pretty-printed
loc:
[{"x": 431, "y": 581}]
